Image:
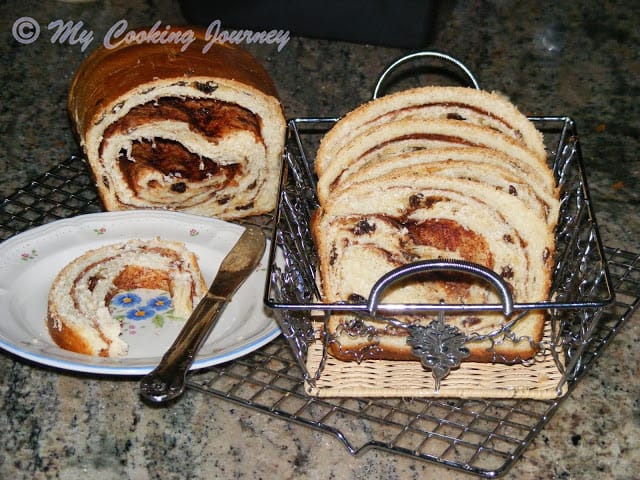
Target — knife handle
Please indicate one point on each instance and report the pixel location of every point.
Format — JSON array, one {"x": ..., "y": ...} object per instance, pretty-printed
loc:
[{"x": 167, "y": 380}]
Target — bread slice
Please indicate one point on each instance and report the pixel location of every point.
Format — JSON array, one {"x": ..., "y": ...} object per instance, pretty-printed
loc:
[
  {"x": 476, "y": 107},
  {"x": 479, "y": 164},
  {"x": 78, "y": 317},
  {"x": 390, "y": 220},
  {"x": 197, "y": 129},
  {"x": 436, "y": 217},
  {"x": 377, "y": 143}
]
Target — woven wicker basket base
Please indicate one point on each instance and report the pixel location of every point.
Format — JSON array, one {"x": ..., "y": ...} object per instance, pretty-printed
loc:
[{"x": 381, "y": 378}]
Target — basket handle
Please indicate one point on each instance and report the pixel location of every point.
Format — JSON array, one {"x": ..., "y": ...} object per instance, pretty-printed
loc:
[
  {"x": 433, "y": 265},
  {"x": 417, "y": 55}
]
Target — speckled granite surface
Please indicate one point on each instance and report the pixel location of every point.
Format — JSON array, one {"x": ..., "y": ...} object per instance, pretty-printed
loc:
[{"x": 576, "y": 58}]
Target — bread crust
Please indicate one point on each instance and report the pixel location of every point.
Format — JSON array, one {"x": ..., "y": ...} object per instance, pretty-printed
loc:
[
  {"x": 379, "y": 346},
  {"x": 67, "y": 338}
]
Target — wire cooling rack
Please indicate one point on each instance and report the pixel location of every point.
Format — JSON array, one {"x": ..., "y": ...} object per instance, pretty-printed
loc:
[{"x": 483, "y": 437}]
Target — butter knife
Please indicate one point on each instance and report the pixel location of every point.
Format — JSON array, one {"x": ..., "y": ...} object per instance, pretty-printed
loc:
[{"x": 167, "y": 380}]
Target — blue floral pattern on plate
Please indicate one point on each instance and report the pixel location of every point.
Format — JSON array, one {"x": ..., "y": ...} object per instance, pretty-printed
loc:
[
  {"x": 160, "y": 303},
  {"x": 140, "y": 308},
  {"x": 125, "y": 300}
]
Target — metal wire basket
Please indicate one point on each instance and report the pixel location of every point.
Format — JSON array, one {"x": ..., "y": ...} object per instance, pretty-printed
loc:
[{"x": 581, "y": 283}]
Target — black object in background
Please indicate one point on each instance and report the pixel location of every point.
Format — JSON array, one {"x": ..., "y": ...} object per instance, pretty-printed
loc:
[{"x": 393, "y": 23}]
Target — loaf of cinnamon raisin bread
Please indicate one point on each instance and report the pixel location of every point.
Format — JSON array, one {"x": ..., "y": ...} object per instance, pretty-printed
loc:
[{"x": 197, "y": 129}]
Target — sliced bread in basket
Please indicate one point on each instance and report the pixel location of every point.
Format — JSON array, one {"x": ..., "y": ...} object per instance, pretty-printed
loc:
[{"x": 435, "y": 173}]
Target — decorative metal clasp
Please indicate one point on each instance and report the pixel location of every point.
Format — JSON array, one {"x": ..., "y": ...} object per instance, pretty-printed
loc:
[{"x": 440, "y": 347}]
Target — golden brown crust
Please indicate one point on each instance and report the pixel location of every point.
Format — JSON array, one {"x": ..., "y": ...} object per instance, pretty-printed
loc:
[
  {"x": 477, "y": 355},
  {"x": 109, "y": 73},
  {"x": 67, "y": 338}
]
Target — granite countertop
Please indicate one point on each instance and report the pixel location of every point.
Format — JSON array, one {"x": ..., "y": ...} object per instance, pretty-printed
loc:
[{"x": 568, "y": 58}]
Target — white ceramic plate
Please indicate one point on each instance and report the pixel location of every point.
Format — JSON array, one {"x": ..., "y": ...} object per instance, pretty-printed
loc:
[{"x": 30, "y": 261}]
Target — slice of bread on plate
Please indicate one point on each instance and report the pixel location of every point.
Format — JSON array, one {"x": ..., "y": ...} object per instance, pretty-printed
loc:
[{"x": 78, "y": 315}]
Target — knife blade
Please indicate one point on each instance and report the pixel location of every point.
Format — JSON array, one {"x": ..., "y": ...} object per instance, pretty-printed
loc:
[{"x": 167, "y": 380}]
